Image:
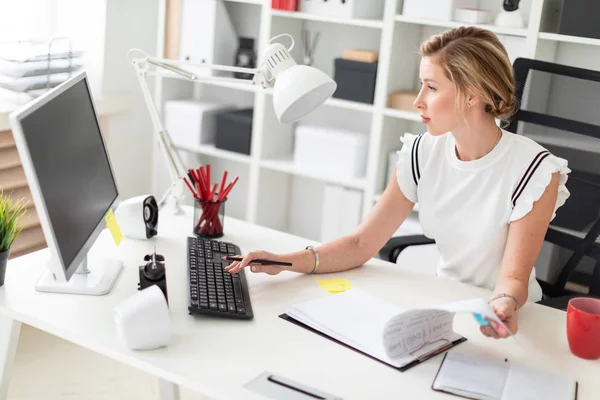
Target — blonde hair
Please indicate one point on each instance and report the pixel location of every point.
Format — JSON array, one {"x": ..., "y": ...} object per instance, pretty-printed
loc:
[{"x": 476, "y": 62}]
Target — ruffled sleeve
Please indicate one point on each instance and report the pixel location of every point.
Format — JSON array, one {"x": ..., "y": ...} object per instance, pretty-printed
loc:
[
  {"x": 405, "y": 171},
  {"x": 535, "y": 186}
]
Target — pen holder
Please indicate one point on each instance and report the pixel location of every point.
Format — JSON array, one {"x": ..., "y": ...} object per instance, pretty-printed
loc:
[{"x": 209, "y": 217}]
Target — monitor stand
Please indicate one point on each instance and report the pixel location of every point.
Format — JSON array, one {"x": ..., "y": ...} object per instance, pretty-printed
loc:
[{"x": 98, "y": 280}]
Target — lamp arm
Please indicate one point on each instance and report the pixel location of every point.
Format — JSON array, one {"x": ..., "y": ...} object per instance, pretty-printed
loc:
[
  {"x": 173, "y": 66},
  {"x": 175, "y": 165},
  {"x": 262, "y": 76}
]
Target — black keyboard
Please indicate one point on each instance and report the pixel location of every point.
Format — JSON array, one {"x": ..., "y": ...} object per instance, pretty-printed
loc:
[{"x": 214, "y": 291}]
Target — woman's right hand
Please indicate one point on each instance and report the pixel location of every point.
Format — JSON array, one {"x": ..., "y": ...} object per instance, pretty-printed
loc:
[{"x": 237, "y": 266}]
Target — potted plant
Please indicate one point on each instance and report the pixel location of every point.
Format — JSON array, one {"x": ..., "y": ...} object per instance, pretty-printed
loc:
[{"x": 11, "y": 225}]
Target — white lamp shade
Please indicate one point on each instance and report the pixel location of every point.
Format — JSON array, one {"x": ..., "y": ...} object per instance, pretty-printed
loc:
[{"x": 298, "y": 90}]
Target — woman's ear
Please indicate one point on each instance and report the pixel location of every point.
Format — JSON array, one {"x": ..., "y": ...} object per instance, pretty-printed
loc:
[{"x": 471, "y": 100}]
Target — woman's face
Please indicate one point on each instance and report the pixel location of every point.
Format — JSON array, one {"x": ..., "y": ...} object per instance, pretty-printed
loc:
[{"x": 436, "y": 101}]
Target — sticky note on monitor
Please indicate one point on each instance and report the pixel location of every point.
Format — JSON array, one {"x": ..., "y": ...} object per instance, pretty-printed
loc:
[
  {"x": 335, "y": 285},
  {"x": 113, "y": 226}
]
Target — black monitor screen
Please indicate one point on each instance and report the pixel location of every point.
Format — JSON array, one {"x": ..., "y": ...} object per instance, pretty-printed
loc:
[{"x": 72, "y": 167}]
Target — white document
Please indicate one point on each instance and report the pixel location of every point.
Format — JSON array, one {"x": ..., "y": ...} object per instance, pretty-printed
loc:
[
  {"x": 383, "y": 330},
  {"x": 485, "y": 378}
]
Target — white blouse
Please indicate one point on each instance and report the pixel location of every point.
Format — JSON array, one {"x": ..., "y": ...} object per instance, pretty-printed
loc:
[{"x": 467, "y": 206}]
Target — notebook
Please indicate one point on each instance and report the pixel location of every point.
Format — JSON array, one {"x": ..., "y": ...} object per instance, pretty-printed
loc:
[
  {"x": 382, "y": 330},
  {"x": 479, "y": 377}
]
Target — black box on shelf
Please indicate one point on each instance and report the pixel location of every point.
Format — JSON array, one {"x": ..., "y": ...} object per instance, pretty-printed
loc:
[
  {"x": 355, "y": 80},
  {"x": 580, "y": 18},
  {"x": 234, "y": 130}
]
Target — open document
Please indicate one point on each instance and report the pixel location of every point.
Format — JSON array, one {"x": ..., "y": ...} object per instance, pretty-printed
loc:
[
  {"x": 382, "y": 330},
  {"x": 480, "y": 377}
]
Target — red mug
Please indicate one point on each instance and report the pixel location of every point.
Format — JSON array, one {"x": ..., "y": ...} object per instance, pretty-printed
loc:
[{"x": 583, "y": 327}]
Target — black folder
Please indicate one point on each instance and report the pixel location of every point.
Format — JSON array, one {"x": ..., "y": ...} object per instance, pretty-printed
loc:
[{"x": 419, "y": 360}]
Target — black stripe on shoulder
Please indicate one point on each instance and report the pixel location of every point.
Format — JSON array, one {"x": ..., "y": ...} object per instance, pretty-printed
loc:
[
  {"x": 518, "y": 188},
  {"x": 528, "y": 174},
  {"x": 415, "y": 160}
]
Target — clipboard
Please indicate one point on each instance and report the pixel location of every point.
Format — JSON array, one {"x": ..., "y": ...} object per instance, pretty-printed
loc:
[{"x": 416, "y": 362}]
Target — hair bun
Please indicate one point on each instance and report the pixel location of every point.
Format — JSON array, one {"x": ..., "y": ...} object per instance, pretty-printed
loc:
[{"x": 504, "y": 109}]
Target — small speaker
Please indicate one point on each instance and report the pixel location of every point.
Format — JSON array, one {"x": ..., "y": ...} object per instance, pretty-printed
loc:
[
  {"x": 138, "y": 217},
  {"x": 143, "y": 320}
]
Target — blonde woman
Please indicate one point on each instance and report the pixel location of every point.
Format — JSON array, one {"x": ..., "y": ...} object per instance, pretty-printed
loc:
[{"x": 485, "y": 195}]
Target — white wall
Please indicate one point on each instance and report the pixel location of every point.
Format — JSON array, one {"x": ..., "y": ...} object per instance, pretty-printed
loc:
[
  {"x": 26, "y": 19},
  {"x": 84, "y": 22},
  {"x": 105, "y": 30},
  {"x": 129, "y": 23}
]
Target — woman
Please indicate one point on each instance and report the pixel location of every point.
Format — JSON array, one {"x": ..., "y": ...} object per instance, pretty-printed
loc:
[{"x": 485, "y": 195}]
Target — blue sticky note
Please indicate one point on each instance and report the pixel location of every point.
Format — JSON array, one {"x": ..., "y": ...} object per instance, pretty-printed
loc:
[{"x": 482, "y": 321}]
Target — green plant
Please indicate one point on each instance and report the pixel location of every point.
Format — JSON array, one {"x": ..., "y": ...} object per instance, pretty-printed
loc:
[{"x": 11, "y": 220}]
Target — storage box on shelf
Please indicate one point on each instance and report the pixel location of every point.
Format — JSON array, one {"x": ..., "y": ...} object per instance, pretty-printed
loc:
[
  {"x": 234, "y": 130},
  {"x": 285, "y": 5},
  {"x": 435, "y": 9},
  {"x": 369, "y": 9},
  {"x": 340, "y": 212},
  {"x": 580, "y": 18},
  {"x": 209, "y": 20},
  {"x": 333, "y": 152},
  {"x": 356, "y": 80},
  {"x": 473, "y": 16},
  {"x": 403, "y": 100},
  {"x": 193, "y": 122}
]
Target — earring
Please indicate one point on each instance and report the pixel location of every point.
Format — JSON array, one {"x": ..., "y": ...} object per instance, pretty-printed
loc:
[{"x": 468, "y": 105}]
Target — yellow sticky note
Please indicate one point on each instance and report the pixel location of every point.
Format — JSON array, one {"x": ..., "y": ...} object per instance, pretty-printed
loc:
[
  {"x": 113, "y": 227},
  {"x": 335, "y": 285}
]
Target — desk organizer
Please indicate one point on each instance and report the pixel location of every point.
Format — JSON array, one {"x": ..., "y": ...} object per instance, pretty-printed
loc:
[{"x": 209, "y": 218}]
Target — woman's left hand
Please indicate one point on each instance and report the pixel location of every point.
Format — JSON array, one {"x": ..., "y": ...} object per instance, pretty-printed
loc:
[{"x": 504, "y": 308}]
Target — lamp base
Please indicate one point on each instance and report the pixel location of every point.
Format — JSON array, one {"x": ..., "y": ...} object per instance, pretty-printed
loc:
[
  {"x": 170, "y": 203},
  {"x": 171, "y": 206}
]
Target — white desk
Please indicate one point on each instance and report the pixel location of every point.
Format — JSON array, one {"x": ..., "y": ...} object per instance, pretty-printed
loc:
[{"x": 218, "y": 357}]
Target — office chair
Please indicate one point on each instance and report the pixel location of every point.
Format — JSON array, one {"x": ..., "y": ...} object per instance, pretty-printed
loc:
[{"x": 560, "y": 109}]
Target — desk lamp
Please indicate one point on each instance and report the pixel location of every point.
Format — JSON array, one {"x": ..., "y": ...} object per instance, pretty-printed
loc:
[{"x": 297, "y": 90}]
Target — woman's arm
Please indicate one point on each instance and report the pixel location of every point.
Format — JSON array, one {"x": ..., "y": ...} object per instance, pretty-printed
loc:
[
  {"x": 370, "y": 236},
  {"x": 349, "y": 251},
  {"x": 525, "y": 238}
]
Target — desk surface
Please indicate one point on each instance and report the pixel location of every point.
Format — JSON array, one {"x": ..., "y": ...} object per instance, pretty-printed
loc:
[{"x": 218, "y": 357}]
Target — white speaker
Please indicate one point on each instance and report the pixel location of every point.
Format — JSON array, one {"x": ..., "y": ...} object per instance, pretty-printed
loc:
[
  {"x": 143, "y": 320},
  {"x": 138, "y": 217}
]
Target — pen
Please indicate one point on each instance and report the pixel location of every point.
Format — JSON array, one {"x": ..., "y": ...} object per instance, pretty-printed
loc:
[{"x": 259, "y": 261}]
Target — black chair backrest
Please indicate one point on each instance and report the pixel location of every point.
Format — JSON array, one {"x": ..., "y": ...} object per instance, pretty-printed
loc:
[{"x": 559, "y": 107}]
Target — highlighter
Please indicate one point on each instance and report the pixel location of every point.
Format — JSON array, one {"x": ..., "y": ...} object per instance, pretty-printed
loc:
[{"x": 482, "y": 321}]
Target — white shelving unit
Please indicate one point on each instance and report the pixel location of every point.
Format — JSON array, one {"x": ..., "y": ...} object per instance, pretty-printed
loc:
[{"x": 277, "y": 194}]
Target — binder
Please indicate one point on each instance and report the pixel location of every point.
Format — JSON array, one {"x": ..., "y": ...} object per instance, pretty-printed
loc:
[{"x": 418, "y": 361}]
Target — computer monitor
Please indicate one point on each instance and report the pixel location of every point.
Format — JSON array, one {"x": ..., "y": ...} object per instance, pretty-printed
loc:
[{"x": 72, "y": 184}]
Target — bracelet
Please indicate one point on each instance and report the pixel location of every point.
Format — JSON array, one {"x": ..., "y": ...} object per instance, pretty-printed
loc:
[
  {"x": 499, "y": 296},
  {"x": 316, "y": 258}
]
